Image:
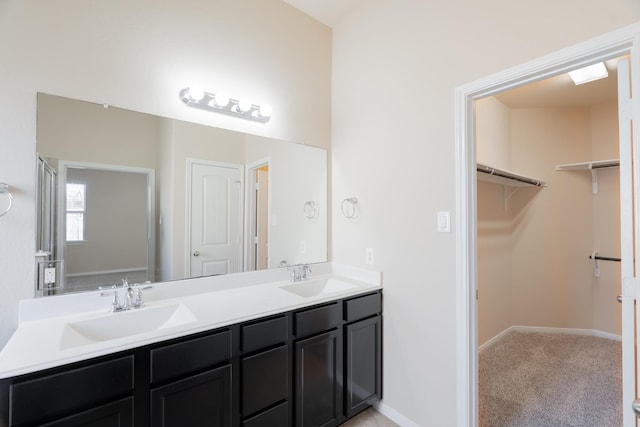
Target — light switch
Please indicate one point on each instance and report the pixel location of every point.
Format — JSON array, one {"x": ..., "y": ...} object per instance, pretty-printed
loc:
[{"x": 444, "y": 222}]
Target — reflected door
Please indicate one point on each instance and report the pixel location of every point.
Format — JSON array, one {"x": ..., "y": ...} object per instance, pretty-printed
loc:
[{"x": 215, "y": 218}]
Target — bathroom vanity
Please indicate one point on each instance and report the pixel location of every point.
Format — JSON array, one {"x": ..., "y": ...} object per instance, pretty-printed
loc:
[{"x": 266, "y": 354}]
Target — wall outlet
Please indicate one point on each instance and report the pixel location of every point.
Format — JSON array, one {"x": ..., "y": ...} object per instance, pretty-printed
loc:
[
  {"x": 368, "y": 256},
  {"x": 303, "y": 246},
  {"x": 49, "y": 275}
]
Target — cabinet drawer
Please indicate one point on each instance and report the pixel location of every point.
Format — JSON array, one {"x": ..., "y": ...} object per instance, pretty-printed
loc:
[
  {"x": 57, "y": 395},
  {"x": 175, "y": 360},
  {"x": 318, "y": 319},
  {"x": 264, "y": 334},
  {"x": 265, "y": 379},
  {"x": 201, "y": 400},
  {"x": 115, "y": 414},
  {"x": 359, "y": 308},
  {"x": 277, "y": 416}
]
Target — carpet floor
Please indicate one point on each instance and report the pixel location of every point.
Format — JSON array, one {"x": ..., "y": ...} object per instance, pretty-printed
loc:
[{"x": 531, "y": 379}]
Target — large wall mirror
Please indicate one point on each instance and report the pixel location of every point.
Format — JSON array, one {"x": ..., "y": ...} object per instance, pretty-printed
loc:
[{"x": 123, "y": 194}]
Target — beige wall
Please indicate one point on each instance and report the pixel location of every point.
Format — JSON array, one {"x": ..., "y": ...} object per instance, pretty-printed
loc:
[
  {"x": 137, "y": 55},
  {"x": 533, "y": 257},
  {"x": 88, "y": 132},
  {"x": 493, "y": 129},
  {"x": 606, "y": 219},
  {"x": 116, "y": 226},
  {"x": 395, "y": 68}
]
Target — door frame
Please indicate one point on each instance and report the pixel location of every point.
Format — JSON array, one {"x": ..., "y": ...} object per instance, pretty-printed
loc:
[
  {"x": 249, "y": 217},
  {"x": 240, "y": 167},
  {"x": 63, "y": 165},
  {"x": 611, "y": 45}
]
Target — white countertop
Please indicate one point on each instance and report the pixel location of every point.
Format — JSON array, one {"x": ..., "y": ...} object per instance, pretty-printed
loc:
[{"x": 213, "y": 302}]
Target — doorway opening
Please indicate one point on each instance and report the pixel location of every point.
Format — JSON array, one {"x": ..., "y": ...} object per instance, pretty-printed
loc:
[
  {"x": 609, "y": 46},
  {"x": 541, "y": 302},
  {"x": 258, "y": 208}
]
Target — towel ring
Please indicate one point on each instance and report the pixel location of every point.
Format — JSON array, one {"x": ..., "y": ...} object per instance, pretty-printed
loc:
[
  {"x": 348, "y": 207},
  {"x": 4, "y": 189},
  {"x": 310, "y": 209}
]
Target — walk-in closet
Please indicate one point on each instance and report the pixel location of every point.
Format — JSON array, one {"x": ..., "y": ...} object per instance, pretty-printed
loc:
[{"x": 548, "y": 212}]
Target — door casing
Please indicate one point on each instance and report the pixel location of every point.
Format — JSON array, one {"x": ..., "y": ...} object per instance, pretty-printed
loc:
[{"x": 621, "y": 42}]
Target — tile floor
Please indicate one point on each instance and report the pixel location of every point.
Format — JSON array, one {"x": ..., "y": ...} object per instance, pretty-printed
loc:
[{"x": 370, "y": 418}]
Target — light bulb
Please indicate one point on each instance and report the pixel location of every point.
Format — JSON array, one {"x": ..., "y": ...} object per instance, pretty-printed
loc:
[
  {"x": 221, "y": 99},
  {"x": 195, "y": 93},
  {"x": 266, "y": 110},
  {"x": 245, "y": 105}
]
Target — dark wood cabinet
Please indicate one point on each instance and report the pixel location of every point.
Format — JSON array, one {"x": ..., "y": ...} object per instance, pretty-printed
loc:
[
  {"x": 363, "y": 365},
  {"x": 315, "y": 366},
  {"x": 84, "y": 394},
  {"x": 265, "y": 370},
  {"x": 363, "y": 352},
  {"x": 318, "y": 384},
  {"x": 202, "y": 400},
  {"x": 115, "y": 414}
]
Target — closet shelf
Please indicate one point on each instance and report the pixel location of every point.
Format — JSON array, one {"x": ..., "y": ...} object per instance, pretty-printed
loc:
[
  {"x": 504, "y": 177},
  {"x": 593, "y": 167},
  {"x": 596, "y": 164}
]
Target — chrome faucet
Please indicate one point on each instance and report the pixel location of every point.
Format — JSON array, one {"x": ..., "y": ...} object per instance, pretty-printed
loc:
[
  {"x": 298, "y": 272},
  {"x": 132, "y": 296}
]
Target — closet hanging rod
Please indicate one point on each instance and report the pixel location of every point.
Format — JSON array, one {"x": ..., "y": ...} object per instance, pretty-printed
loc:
[
  {"x": 605, "y": 258},
  {"x": 607, "y": 164},
  {"x": 504, "y": 174}
]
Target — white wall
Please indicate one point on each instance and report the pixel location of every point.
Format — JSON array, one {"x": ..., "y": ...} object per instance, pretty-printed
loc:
[
  {"x": 396, "y": 65},
  {"x": 138, "y": 55}
]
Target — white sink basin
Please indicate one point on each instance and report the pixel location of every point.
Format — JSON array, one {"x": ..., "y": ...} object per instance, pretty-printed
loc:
[
  {"x": 314, "y": 288},
  {"x": 124, "y": 324}
]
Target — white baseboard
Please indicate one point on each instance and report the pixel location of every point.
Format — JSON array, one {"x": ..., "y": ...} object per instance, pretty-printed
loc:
[
  {"x": 394, "y": 415},
  {"x": 548, "y": 330}
]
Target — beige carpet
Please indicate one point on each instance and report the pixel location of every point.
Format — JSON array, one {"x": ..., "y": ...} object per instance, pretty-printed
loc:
[{"x": 531, "y": 379}]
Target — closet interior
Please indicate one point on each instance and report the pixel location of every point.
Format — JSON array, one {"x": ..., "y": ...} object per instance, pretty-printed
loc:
[
  {"x": 548, "y": 203},
  {"x": 548, "y": 210}
]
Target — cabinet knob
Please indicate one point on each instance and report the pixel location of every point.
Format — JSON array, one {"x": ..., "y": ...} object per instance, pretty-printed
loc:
[{"x": 196, "y": 253}]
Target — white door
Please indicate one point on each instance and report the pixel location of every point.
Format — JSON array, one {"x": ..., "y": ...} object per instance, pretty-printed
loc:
[
  {"x": 215, "y": 219},
  {"x": 628, "y": 197}
]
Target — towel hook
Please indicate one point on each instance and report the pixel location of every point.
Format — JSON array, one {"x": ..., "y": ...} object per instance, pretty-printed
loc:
[
  {"x": 4, "y": 189},
  {"x": 310, "y": 209},
  {"x": 348, "y": 207}
]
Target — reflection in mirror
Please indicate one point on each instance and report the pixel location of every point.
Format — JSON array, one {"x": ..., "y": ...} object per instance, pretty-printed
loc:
[{"x": 129, "y": 195}]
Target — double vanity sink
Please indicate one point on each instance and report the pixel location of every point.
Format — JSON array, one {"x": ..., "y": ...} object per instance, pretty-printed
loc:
[
  {"x": 154, "y": 318},
  {"x": 244, "y": 350},
  {"x": 63, "y": 329}
]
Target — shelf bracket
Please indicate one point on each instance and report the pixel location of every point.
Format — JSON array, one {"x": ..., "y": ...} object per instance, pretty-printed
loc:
[
  {"x": 506, "y": 195},
  {"x": 594, "y": 180}
]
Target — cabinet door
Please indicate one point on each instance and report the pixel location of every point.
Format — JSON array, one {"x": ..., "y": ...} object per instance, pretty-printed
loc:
[
  {"x": 265, "y": 379},
  {"x": 318, "y": 384},
  {"x": 116, "y": 414},
  {"x": 363, "y": 368},
  {"x": 199, "y": 400}
]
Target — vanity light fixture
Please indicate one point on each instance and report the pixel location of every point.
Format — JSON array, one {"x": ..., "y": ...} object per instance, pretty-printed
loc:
[
  {"x": 589, "y": 74},
  {"x": 194, "y": 96}
]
